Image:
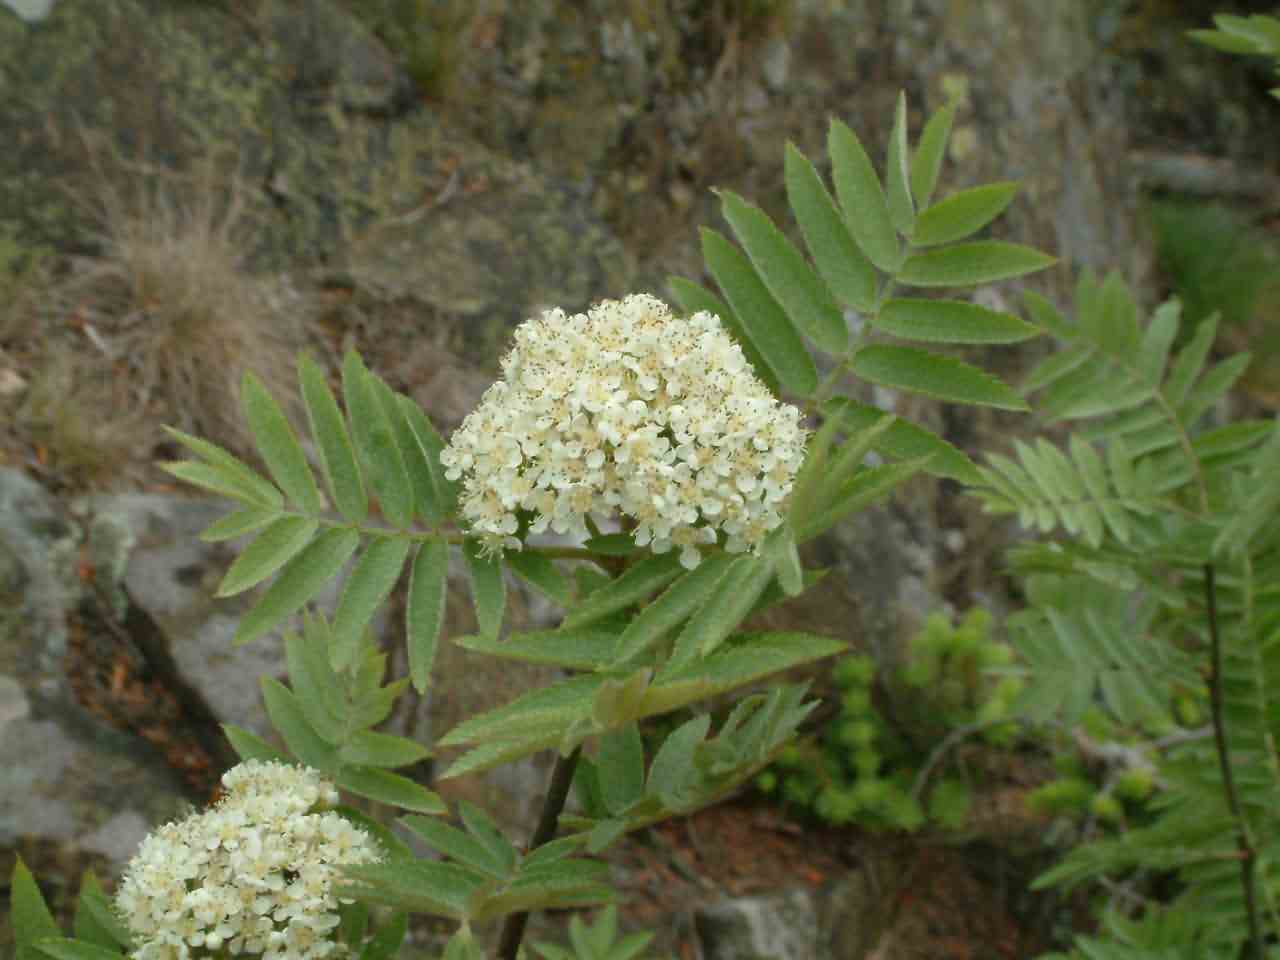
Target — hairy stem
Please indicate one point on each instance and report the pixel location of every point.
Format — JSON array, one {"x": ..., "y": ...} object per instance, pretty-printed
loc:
[
  {"x": 1248, "y": 855},
  {"x": 548, "y": 821}
]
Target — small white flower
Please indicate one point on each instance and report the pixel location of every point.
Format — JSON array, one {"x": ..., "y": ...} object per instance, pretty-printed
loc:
[
  {"x": 253, "y": 874},
  {"x": 629, "y": 409}
]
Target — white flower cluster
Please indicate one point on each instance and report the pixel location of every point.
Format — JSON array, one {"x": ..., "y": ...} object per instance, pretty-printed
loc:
[
  {"x": 253, "y": 874},
  {"x": 627, "y": 409}
]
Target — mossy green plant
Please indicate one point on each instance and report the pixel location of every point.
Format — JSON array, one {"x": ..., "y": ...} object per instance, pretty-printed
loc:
[{"x": 869, "y": 769}]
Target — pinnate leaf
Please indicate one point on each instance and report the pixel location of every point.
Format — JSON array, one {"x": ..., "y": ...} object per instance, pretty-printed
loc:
[
  {"x": 950, "y": 321},
  {"x": 278, "y": 445},
  {"x": 337, "y": 455},
  {"x": 247, "y": 484},
  {"x": 765, "y": 322},
  {"x": 376, "y": 440},
  {"x": 368, "y": 585},
  {"x": 488, "y": 588},
  {"x": 946, "y": 378},
  {"x": 970, "y": 264},
  {"x": 932, "y": 148},
  {"x": 424, "y": 612},
  {"x": 842, "y": 265},
  {"x": 866, "y": 212},
  {"x": 302, "y": 578},
  {"x": 274, "y": 547},
  {"x": 962, "y": 214},
  {"x": 392, "y": 788},
  {"x": 790, "y": 280},
  {"x": 902, "y": 210}
]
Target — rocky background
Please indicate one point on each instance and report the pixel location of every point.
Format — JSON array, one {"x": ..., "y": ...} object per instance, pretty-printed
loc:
[{"x": 192, "y": 188}]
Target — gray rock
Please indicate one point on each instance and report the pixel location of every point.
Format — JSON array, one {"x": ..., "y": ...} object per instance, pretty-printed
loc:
[
  {"x": 64, "y": 774},
  {"x": 32, "y": 11},
  {"x": 782, "y": 926}
]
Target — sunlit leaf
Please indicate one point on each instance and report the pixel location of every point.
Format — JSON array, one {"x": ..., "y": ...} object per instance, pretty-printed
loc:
[
  {"x": 842, "y": 265},
  {"x": 971, "y": 264},
  {"x": 283, "y": 540},
  {"x": 866, "y": 212},
  {"x": 764, "y": 320},
  {"x": 368, "y": 585},
  {"x": 962, "y": 214},
  {"x": 425, "y": 609},
  {"x": 279, "y": 445},
  {"x": 302, "y": 578},
  {"x": 804, "y": 297},
  {"x": 946, "y": 378}
]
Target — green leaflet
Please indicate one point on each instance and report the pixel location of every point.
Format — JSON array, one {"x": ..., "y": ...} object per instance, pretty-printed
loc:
[
  {"x": 962, "y": 214},
  {"x": 783, "y": 269},
  {"x": 274, "y": 547},
  {"x": 233, "y": 475},
  {"x": 616, "y": 703},
  {"x": 420, "y": 886},
  {"x": 612, "y": 545},
  {"x": 368, "y": 585},
  {"x": 541, "y": 571},
  {"x": 30, "y": 916},
  {"x": 315, "y": 685},
  {"x": 1190, "y": 361},
  {"x": 866, "y": 487},
  {"x": 376, "y": 440},
  {"x": 95, "y": 920},
  {"x": 279, "y": 446},
  {"x": 670, "y": 609},
  {"x": 302, "y": 739},
  {"x": 1044, "y": 314},
  {"x": 866, "y": 212},
  {"x": 816, "y": 488},
  {"x": 425, "y": 609},
  {"x": 250, "y": 746},
  {"x": 302, "y": 578},
  {"x": 905, "y": 441},
  {"x": 902, "y": 210},
  {"x": 842, "y": 265},
  {"x": 950, "y": 321},
  {"x": 1113, "y": 323},
  {"x": 971, "y": 264},
  {"x": 672, "y": 772},
  {"x": 561, "y": 884},
  {"x": 486, "y": 830},
  {"x": 620, "y": 764},
  {"x": 639, "y": 581},
  {"x": 1212, "y": 387},
  {"x": 946, "y": 378},
  {"x": 220, "y": 479},
  {"x": 764, "y": 320},
  {"x": 386, "y": 942},
  {"x": 722, "y": 612},
  {"x": 238, "y": 524},
  {"x": 64, "y": 948},
  {"x": 745, "y": 659},
  {"x": 337, "y": 455},
  {"x": 459, "y": 846},
  {"x": 368, "y": 748},
  {"x": 694, "y": 298},
  {"x": 560, "y": 702},
  {"x": 387, "y": 787},
  {"x": 574, "y": 649},
  {"x": 442, "y": 498},
  {"x": 488, "y": 589},
  {"x": 932, "y": 148},
  {"x": 1157, "y": 342}
]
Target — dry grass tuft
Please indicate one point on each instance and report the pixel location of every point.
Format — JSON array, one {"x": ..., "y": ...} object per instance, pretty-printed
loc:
[
  {"x": 80, "y": 435},
  {"x": 170, "y": 297}
]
